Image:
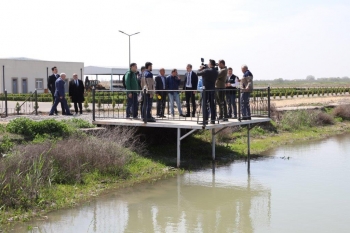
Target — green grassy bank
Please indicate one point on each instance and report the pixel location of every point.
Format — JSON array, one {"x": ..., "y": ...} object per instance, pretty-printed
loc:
[{"x": 44, "y": 171}]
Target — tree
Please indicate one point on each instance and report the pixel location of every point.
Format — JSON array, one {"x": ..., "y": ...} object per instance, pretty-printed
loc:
[{"x": 310, "y": 78}]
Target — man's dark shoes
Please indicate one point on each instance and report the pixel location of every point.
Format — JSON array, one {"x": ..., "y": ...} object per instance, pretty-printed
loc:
[
  {"x": 246, "y": 118},
  {"x": 69, "y": 114},
  {"x": 187, "y": 115},
  {"x": 212, "y": 122},
  {"x": 151, "y": 119},
  {"x": 182, "y": 115}
]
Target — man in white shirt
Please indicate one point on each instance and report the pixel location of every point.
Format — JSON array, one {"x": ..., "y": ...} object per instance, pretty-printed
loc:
[
  {"x": 190, "y": 83},
  {"x": 232, "y": 82}
]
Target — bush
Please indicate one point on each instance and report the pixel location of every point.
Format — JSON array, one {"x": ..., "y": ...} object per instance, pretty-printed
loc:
[
  {"x": 30, "y": 128},
  {"x": 33, "y": 167},
  {"x": 323, "y": 118},
  {"x": 342, "y": 111}
]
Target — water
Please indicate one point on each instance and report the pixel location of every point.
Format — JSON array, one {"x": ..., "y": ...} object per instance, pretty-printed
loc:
[{"x": 310, "y": 192}]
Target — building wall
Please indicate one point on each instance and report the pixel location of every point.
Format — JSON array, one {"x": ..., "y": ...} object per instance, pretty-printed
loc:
[{"x": 34, "y": 71}]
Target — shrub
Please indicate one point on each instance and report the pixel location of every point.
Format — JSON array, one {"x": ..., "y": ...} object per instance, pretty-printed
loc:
[
  {"x": 294, "y": 120},
  {"x": 323, "y": 118},
  {"x": 30, "y": 128},
  {"x": 32, "y": 167},
  {"x": 342, "y": 111}
]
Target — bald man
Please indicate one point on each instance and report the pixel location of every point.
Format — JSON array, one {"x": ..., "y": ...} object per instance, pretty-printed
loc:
[{"x": 60, "y": 95}]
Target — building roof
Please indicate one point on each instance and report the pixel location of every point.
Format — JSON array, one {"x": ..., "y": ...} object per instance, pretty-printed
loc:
[
  {"x": 21, "y": 58},
  {"x": 97, "y": 70}
]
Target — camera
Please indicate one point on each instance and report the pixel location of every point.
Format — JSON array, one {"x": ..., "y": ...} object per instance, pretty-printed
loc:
[{"x": 204, "y": 65}]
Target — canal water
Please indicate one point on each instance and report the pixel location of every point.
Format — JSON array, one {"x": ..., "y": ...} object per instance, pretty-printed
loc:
[{"x": 297, "y": 188}]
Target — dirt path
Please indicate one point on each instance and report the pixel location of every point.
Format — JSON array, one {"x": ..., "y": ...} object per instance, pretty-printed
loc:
[{"x": 311, "y": 101}]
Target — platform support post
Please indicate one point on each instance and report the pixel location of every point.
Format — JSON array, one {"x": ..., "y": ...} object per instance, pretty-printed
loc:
[
  {"x": 213, "y": 143},
  {"x": 248, "y": 143},
  {"x": 178, "y": 146}
]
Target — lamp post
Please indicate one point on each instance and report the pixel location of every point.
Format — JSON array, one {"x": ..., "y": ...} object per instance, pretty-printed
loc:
[{"x": 129, "y": 43}]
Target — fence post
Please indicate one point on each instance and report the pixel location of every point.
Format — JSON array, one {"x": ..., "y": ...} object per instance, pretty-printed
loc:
[
  {"x": 36, "y": 102},
  {"x": 268, "y": 101},
  {"x": 3, "y": 79},
  {"x": 93, "y": 103},
  {"x": 239, "y": 104},
  {"x": 144, "y": 107},
  {"x": 204, "y": 107},
  {"x": 6, "y": 103}
]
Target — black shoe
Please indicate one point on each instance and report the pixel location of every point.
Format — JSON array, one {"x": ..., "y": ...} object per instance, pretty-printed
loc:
[
  {"x": 193, "y": 115},
  {"x": 135, "y": 118},
  {"x": 212, "y": 122},
  {"x": 151, "y": 120},
  {"x": 51, "y": 114},
  {"x": 69, "y": 114},
  {"x": 187, "y": 115},
  {"x": 246, "y": 118},
  {"x": 182, "y": 115}
]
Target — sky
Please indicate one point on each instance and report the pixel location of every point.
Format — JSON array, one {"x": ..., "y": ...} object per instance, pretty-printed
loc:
[{"x": 275, "y": 38}]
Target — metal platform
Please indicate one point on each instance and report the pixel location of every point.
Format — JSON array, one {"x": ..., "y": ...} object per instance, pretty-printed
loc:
[{"x": 188, "y": 124}]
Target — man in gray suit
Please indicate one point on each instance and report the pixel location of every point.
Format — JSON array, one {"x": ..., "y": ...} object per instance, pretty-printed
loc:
[{"x": 60, "y": 95}]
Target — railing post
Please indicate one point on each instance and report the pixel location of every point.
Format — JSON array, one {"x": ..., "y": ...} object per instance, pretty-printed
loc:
[
  {"x": 144, "y": 107},
  {"x": 6, "y": 113},
  {"x": 239, "y": 104},
  {"x": 36, "y": 102},
  {"x": 204, "y": 107},
  {"x": 93, "y": 103},
  {"x": 268, "y": 102}
]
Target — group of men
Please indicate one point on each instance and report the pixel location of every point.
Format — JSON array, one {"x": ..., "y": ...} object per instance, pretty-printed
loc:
[
  {"x": 220, "y": 86},
  {"x": 56, "y": 85}
]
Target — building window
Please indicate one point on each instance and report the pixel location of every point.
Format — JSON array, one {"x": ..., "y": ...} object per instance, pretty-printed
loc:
[{"x": 39, "y": 83}]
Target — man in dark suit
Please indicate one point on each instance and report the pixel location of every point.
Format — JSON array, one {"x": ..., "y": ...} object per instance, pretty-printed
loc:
[
  {"x": 60, "y": 95},
  {"x": 160, "y": 92},
  {"x": 190, "y": 83},
  {"x": 76, "y": 93},
  {"x": 51, "y": 86}
]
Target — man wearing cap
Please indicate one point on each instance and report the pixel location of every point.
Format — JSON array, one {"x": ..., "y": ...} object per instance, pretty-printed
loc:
[
  {"x": 209, "y": 76},
  {"x": 147, "y": 83}
]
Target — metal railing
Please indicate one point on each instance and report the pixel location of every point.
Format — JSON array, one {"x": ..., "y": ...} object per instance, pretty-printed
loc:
[
  {"x": 113, "y": 104},
  {"x": 12, "y": 106}
]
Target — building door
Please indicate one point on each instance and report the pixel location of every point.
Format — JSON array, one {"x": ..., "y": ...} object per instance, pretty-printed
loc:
[
  {"x": 24, "y": 86},
  {"x": 14, "y": 86}
]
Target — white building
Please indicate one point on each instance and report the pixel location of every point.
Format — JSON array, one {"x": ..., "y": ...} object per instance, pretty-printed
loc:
[{"x": 24, "y": 75}]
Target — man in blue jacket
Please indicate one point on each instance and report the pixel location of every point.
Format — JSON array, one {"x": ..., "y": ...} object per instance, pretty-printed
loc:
[
  {"x": 60, "y": 95},
  {"x": 172, "y": 84}
]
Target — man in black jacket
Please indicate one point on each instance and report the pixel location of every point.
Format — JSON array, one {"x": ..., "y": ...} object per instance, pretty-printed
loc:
[
  {"x": 76, "y": 93},
  {"x": 160, "y": 92},
  {"x": 190, "y": 83},
  {"x": 209, "y": 75},
  {"x": 51, "y": 86}
]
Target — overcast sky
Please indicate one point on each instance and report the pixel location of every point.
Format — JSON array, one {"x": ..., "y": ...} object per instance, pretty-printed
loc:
[{"x": 276, "y": 39}]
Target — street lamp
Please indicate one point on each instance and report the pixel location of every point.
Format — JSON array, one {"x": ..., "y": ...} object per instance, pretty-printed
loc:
[{"x": 129, "y": 43}]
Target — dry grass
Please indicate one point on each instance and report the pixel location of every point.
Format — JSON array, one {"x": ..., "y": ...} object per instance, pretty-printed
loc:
[
  {"x": 33, "y": 167},
  {"x": 342, "y": 111}
]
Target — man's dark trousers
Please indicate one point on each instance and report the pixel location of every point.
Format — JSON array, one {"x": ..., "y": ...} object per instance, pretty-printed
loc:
[
  {"x": 190, "y": 95},
  {"x": 147, "y": 105},
  {"x": 161, "y": 103},
  {"x": 245, "y": 106},
  {"x": 76, "y": 104},
  {"x": 63, "y": 103},
  {"x": 231, "y": 103},
  {"x": 220, "y": 98},
  {"x": 53, "y": 102},
  {"x": 209, "y": 98}
]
